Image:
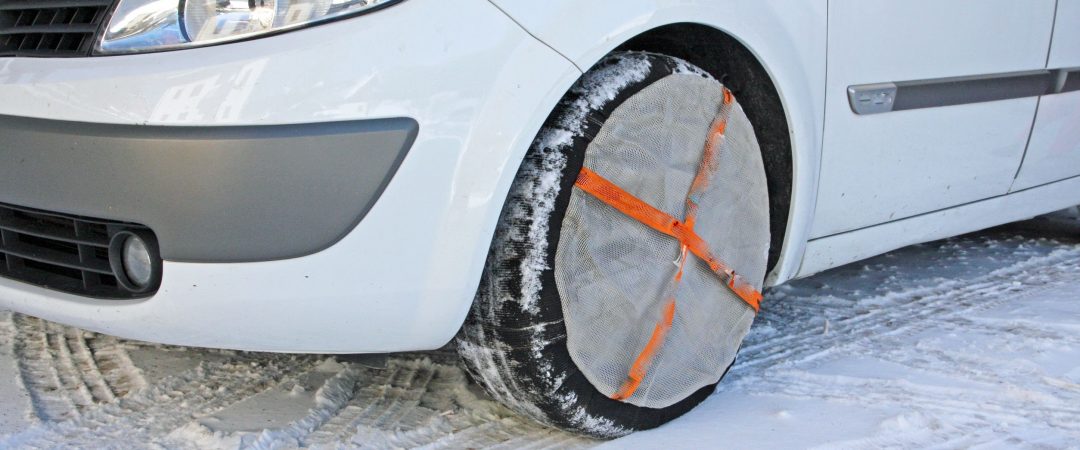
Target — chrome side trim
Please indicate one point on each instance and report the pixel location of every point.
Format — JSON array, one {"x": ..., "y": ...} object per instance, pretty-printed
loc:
[{"x": 931, "y": 93}]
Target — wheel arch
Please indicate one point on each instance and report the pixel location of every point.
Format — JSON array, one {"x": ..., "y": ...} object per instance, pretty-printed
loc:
[{"x": 785, "y": 43}]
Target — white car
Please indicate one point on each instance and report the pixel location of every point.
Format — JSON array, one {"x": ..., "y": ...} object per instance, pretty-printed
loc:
[{"x": 620, "y": 178}]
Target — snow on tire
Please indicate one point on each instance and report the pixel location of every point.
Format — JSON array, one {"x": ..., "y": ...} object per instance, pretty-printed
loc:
[{"x": 574, "y": 291}]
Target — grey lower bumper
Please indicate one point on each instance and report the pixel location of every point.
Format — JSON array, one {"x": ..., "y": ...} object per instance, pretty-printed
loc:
[{"x": 211, "y": 194}]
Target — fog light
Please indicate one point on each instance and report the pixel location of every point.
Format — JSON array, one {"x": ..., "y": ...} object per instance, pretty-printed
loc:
[
  {"x": 134, "y": 258},
  {"x": 137, "y": 263}
]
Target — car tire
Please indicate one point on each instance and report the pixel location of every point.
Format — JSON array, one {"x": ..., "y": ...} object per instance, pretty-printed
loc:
[{"x": 515, "y": 340}]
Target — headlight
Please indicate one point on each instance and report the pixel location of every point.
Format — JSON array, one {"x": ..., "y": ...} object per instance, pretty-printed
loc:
[{"x": 152, "y": 25}]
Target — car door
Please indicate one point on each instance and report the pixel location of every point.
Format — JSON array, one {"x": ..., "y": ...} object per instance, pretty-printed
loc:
[
  {"x": 1053, "y": 153},
  {"x": 880, "y": 165}
]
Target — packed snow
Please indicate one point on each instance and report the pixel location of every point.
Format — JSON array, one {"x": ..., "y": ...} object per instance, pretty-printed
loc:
[{"x": 967, "y": 342}]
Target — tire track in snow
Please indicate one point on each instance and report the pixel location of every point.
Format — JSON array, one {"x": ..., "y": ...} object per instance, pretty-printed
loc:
[
  {"x": 67, "y": 370},
  {"x": 78, "y": 350},
  {"x": 895, "y": 315},
  {"x": 17, "y": 412},
  {"x": 331, "y": 398},
  {"x": 150, "y": 415},
  {"x": 39, "y": 371},
  {"x": 895, "y": 311},
  {"x": 425, "y": 401},
  {"x": 114, "y": 364},
  {"x": 364, "y": 398},
  {"x": 1062, "y": 413},
  {"x": 954, "y": 346}
]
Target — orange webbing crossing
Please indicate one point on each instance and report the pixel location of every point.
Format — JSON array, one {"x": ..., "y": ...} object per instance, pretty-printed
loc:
[
  {"x": 624, "y": 202},
  {"x": 614, "y": 196}
]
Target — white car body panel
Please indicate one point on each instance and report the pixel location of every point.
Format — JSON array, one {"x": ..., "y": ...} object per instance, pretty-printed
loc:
[
  {"x": 882, "y": 167},
  {"x": 1065, "y": 51},
  {"x": 1054, "y": 151},
  {"x": 481, "y": 77},
  {"x": 787, "y": 37},
  {"x": 833, "y": 251},
  {"x": 405, "y": 277}
]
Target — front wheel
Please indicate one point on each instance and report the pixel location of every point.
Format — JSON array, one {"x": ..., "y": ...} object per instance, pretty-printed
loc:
[{"x": 626, "y": 266}]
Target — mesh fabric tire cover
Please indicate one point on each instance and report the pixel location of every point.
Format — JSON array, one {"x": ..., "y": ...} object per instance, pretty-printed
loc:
[
  {"x": 514, "y": 340},
  {"x": 615, "y": 274}
]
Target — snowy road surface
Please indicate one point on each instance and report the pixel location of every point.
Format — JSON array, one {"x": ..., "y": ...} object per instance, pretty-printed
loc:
[{"x": 970, "y": 342}]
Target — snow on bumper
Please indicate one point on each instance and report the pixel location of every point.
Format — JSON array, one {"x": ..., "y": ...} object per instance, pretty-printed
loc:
[{"x": 404, "y": 278}]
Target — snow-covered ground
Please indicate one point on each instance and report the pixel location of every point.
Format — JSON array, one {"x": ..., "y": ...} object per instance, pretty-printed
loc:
[{"x": 969, "y": 342}]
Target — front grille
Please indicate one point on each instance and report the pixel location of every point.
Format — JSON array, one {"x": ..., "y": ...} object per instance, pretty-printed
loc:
[
  {"x": 61, "y": 252},
  {"x": 50, "y": 27}
]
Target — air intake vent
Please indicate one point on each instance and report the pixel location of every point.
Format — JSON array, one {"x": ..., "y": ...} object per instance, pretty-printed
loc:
[
  {"x": 62, "y": 252},
  {"x": 50, "y": 27}
]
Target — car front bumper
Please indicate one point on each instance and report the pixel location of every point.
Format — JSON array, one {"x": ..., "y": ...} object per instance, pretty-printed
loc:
[
  {"x": 210, "y": 194},
  {"x": 402, "y": 278}
]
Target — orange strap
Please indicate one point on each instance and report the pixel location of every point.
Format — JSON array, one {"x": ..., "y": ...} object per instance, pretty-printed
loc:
[
  {"x": 641, "y": 364},
  {"x": 644, "y": 359},
  {"x": 617, "y": 198}
]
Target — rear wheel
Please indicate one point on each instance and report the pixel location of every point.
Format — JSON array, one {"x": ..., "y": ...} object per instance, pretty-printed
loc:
[{"x": 610, "y": 301}]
